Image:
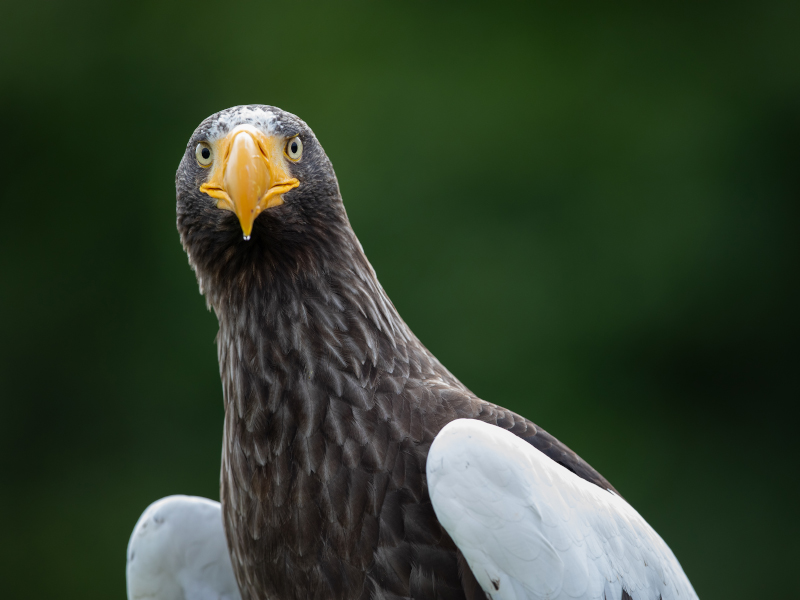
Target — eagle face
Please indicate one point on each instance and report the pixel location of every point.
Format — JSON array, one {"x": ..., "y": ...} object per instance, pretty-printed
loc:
[{"x": 254, "y": 178}]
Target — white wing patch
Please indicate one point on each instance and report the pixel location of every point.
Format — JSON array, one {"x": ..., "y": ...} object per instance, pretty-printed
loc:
[
  {"x": 178, "y": 551},
  {"x": 531, "y": 529}
]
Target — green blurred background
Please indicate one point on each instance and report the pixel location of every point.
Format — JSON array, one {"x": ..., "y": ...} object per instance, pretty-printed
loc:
[{"x": 588, "y": 213}]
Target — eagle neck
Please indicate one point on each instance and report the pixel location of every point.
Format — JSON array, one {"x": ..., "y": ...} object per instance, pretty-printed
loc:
[{"x": 327, "y": 329}]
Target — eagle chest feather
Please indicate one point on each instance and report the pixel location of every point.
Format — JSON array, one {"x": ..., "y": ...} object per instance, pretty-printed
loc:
[{"x": 323, "y": 475}]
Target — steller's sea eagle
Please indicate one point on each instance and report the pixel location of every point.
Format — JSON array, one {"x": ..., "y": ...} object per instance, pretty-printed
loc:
[{"x": 354, "y": 465}]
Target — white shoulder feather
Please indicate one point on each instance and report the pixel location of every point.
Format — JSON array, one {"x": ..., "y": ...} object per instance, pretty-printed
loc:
[
  {"x": 178, "y": 551},
  {"x": 531, "y": 529}
]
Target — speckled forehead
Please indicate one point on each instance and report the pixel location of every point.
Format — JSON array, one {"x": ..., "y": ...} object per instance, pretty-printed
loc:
[{"x": 269, "y": 121}]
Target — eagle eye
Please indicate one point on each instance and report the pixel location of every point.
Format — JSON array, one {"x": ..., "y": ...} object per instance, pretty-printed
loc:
[
  {"x": 294, "y": 148},
  {"x": 203, "y": 154}
]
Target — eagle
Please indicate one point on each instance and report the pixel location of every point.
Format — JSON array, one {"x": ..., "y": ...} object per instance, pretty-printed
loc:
[{"x": 355, "y": 466}]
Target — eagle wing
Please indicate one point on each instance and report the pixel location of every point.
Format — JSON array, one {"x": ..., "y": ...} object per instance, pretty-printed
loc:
[
  {"x": 529, "y": 528},
  {"x": 178, "y": 551}
]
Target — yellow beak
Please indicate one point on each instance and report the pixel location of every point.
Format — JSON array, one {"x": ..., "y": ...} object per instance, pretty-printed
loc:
[{"x": 249, "y": 175}]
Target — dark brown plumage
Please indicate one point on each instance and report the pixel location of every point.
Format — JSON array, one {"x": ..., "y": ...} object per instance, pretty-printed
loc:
[{"x": 331, "y": 402}]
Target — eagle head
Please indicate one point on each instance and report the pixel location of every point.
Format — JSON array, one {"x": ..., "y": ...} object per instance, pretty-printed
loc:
[{"x": 256, "y": 189}]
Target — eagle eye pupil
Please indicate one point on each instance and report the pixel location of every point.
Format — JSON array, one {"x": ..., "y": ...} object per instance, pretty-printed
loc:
[
  {"x": 294, "y": 148},
  {"x": 202, "y": 153}
]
